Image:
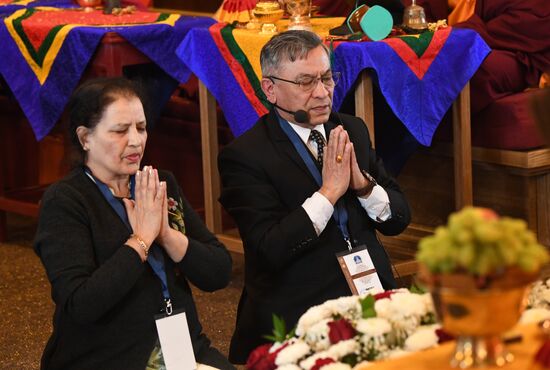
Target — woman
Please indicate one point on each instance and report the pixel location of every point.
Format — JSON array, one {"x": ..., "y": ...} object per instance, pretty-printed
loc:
[{"x": 120, "y": 244}]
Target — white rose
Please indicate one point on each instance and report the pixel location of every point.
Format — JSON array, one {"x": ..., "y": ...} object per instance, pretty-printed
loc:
[
  {"x": 310, "y": 361},
  {"x": 336, "y": 366},
  {"x": 373, "y": 327},
  {"x": 343, "y": 348},
  {"x": 348, "y": 307},
  {"x": 421, "y": 339},
  {"x": 534, "y": 315},
  {"x": 312, "y": 316},
  {"x": 317, "y": 335},
  {"x": 289, "y": 367},
  {"x": 408, "y": 304},
  {"x": 292, "y": 353}
]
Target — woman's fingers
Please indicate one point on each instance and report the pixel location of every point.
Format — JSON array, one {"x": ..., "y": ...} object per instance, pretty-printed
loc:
[
  {"x": 129, "y": 205},
  {"x": 161, "y": 193}
]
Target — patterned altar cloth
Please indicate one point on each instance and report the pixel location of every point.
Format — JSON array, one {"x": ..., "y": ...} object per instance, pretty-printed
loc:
[
  {"x": 45, "y": 51},
  {"x": 420, "y": 76},
  {"x": 9, "y": 6}
]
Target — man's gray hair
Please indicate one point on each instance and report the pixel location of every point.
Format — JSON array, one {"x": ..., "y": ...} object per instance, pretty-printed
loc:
[{"x": 288, "y": 46}]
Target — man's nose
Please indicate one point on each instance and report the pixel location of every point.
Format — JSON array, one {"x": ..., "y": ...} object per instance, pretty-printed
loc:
[{"x": 320, "y": 90}]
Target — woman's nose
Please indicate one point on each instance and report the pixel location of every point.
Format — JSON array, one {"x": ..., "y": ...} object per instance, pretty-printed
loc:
[{"x": 133, "y": 136}]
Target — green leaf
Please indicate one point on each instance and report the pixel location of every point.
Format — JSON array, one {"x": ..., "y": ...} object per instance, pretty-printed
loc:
[
  {"x": 291, "y": 334},
  {"x": 367, "y": 306},
  {"x": 416, "y": 289},
  {"x": 271, "y": 338},
  {"x": 279, "y": 330}
]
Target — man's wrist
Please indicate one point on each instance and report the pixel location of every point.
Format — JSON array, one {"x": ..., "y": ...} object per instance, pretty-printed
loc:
[
  {"x": 367, "y": 189},
  {"x": 329, "y": 195}
]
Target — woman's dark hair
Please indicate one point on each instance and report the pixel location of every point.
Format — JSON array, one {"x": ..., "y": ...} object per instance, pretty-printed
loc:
[{"x": 88, "y": 103}]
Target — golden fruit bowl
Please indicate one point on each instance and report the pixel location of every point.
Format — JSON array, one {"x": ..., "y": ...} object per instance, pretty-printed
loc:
[
  {"x": 269, "y": 16},
  {"x": 478, "y": 316},
  {"x": 268, "y": 13}
]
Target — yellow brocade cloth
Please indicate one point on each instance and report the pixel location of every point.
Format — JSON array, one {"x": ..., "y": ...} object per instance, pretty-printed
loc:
[{"x": 251, "y": 41}]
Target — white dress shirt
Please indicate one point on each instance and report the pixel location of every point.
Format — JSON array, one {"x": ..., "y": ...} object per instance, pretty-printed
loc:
[{"x": 318, "y": 207}]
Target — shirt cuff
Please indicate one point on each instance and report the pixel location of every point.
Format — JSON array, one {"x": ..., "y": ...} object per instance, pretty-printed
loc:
[
  {"x": 377, "y": 204},
  {"x": 319, "y": 209}
]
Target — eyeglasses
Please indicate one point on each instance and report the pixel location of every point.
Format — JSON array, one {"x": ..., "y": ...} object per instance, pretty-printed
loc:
[{"x": 308, "y": 83}]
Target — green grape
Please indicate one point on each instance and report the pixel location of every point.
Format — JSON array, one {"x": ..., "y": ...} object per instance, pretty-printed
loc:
[
  {"x": 477, "y": 240},
  {"x": 466, "y": 254}
]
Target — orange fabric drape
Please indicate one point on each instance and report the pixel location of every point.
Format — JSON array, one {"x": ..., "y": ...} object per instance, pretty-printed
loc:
[{"x": 461, "y": 10}]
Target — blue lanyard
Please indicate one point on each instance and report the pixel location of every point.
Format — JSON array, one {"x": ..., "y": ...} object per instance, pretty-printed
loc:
[
  {"x": 340, "y": 213},
  {"x": 155, "y": 258}
]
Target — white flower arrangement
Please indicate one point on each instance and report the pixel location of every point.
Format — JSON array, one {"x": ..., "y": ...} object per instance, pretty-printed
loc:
[
  {"x": 538, "y": 303},
  {"x": 345, "y": 332}
]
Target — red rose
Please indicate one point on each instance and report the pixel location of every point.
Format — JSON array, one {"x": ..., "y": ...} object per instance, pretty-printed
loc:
[
  {"x": 340, "y": 330},
  {"x": 261, "y": 359},
  {"x": 386, "y": 294},
  {"x": 320, "y": 362},
  {"x": 443, "y": 336},
  {"x": 543, "y": 354}
]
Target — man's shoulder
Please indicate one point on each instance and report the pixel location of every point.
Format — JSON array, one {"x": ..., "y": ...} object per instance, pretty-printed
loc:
[
  {"x": 353, "y": 125},
  {"x": 253, "y": 138},
  {"x": 345, "y": 119}
]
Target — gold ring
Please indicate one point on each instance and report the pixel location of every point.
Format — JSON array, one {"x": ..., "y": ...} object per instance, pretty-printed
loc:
[{"x": 338, "y": 158}]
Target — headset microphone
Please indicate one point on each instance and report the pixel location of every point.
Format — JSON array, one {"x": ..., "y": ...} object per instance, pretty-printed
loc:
[{"x": 300, "y": 116}]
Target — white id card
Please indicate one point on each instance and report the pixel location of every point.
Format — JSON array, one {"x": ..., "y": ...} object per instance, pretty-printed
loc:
[
  {"x": 359, "y": 270},
  {"x": 175, "y": 342}
]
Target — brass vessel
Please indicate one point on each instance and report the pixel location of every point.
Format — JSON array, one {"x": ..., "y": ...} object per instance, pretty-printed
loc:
[
  {"x": 478, "y": 315},
  {"x": 268, "y": 13}
]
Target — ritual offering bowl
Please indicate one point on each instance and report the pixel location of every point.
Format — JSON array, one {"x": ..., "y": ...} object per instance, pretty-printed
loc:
[
  {"x": 414, "y": 18},
  {"x": 268, "y": 13},
  {"x": 477, "y": 316},
  {"x": 300, "y": 13}
]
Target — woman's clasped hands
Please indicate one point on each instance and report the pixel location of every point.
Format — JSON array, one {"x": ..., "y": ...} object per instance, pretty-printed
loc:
[
  {"x": 145, "y": 211},
  {"x": 148, "y": 216}
]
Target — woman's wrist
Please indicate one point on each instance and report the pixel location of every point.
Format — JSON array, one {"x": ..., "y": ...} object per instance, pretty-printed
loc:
[
  {"x": 175, "y": 244},
  {"x": 139, "y": 245}
]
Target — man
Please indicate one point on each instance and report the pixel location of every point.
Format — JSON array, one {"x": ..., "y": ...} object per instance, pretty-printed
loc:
[{"x": 291, "y": 210}]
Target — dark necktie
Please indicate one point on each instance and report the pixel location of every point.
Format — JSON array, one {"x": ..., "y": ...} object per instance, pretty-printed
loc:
[{"x": 320, "y": 141}]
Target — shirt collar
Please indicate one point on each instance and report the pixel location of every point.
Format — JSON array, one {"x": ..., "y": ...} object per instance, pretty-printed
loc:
[{"x": 304, "y": 132}]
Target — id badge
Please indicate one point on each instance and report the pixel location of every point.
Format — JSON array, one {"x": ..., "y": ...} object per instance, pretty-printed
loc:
[
  {"x": 359, "y": 270},
  {"x": 175, "y": 342}
]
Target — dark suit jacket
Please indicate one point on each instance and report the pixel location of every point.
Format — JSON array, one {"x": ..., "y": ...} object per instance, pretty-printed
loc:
[
  {"x": 288, "y": 267},
  {"x": 105, "y": 297}
]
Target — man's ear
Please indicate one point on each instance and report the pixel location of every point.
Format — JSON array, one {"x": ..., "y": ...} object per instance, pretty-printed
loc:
[
  {"x": 82, "y": 134},
  {"x": 268, "y": 87}
]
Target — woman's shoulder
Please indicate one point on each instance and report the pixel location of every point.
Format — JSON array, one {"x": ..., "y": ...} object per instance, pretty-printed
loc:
[{"x": 73, "y": 183}]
